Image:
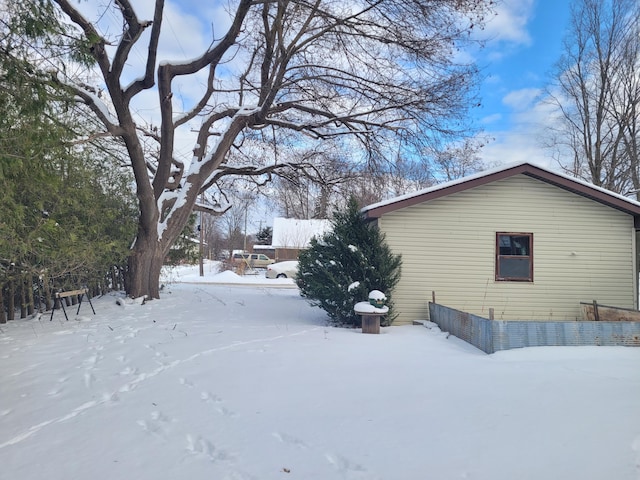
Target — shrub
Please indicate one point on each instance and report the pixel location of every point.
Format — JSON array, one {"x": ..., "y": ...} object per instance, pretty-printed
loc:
[{"x": 342, "y": 266}]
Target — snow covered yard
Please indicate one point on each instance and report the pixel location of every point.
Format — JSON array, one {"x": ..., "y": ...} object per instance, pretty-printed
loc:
[{"x": 247, "y": 382}]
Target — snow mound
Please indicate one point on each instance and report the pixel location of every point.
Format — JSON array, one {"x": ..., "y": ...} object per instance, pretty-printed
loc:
[
  {"x": 127, "y": 301},
  {"x": 227, "y": 276},
  {"x": 366, "y": 307}
]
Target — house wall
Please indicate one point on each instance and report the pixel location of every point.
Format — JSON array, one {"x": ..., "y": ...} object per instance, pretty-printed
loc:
[{"x": 582, "y": 250}]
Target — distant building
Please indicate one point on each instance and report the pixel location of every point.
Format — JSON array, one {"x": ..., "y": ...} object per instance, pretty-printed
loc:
[{"x": 290, "y": 235}]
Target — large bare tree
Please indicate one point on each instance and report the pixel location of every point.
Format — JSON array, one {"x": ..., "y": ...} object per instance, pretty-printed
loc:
[
  {"x": 361, "y": 73},
  {"x": 597, "y": 91}
]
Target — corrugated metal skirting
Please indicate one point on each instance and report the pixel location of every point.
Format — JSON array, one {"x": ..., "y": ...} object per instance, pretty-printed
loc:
[{"x": 495, "y": 335}]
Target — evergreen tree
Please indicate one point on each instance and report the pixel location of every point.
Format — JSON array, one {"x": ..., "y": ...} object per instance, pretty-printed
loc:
[
  {"x": 344, "y": 265},
  {"x": 66, "y": 209},
  {"x": 264, "y": 236}
]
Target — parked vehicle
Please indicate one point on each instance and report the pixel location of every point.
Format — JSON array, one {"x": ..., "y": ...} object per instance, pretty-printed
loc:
[
  {"x": 288, "y": 269},
  {"x": 253, "y": 260}
]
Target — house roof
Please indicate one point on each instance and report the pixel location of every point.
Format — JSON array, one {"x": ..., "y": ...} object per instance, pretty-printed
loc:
[
  {"x": 579, "y": 187},
  {"x": 296, "y": 233}
]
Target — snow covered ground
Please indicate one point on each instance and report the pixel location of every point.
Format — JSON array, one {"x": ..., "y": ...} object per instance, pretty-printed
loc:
[{"x": 233, "y": 382}]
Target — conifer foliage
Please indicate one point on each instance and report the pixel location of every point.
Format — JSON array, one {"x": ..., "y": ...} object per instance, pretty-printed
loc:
[{"x": 344, "y": 265}]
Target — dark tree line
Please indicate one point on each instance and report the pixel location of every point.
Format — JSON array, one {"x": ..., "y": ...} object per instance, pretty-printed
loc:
[{"x": 67, "y": 215}]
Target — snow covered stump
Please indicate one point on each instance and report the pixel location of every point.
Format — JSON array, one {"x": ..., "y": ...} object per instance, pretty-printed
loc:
[{"x": 371, "y": 311}]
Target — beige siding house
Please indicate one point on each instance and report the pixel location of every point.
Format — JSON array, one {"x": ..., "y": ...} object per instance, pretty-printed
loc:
[{"x": 529, "y": 243}]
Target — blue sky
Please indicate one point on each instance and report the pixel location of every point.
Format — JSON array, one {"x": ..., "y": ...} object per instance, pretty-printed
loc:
[{"x": 526, "y": 41}]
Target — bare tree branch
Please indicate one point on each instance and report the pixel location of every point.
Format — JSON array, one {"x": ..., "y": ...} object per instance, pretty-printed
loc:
[
  {"x": 284, "y": 76},
  {"x": 591, "y": 96}
]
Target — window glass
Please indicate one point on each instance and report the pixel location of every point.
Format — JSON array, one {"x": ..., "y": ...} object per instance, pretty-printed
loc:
[
  {"x": 514, "y": 257},
  {"x": 514, "y": 267},
  {"x": 514, "y": 244}
]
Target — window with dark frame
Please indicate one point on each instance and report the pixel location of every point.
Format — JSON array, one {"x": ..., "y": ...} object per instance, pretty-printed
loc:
[{"x": 514, "y": 257}]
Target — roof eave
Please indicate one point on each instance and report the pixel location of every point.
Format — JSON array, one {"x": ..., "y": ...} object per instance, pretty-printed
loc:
[{"x": 566, "y": 183}]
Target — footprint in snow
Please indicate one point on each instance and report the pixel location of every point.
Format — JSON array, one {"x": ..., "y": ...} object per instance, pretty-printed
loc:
[
  {"x": 56, "y": 391},
  {"x": 110, "y": 398},
  {"x": 89, "y": 378},
  {"x": 290, "y": 439},
  {"x": 344, "y": 465},
  {"x": 127, "y": 387},
  {"x": 196, "y": 445},
  {"x": 93, "y": 360},
  {"x": 635, "y": 446},
  {"x": 210, "y": 398},
  {"x": 186, "y": 383},
  {"x": 129, "y": 371},
  {"x": 158, "y": 424},
  {"x": 226, "y": 412}
]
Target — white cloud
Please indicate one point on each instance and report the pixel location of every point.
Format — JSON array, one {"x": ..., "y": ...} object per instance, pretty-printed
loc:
[
  {"x": 523, "y": 99},
  {"x": 184, "y": 36},
  {"x": 516, "y": 146},
  {"x": 510, "y": 22},
  {"x": 489, "y": 119},
  {"x": 528, "y": 131}
]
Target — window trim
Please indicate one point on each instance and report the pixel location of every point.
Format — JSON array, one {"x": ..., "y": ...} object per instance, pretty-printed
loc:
[{"x": 498, "y": 257}]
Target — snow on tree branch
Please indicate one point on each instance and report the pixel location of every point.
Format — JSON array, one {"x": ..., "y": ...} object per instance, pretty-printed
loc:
[{"x": 274, "y": 77}]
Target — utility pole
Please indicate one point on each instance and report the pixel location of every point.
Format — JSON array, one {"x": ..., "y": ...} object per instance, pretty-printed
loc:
[
  {"x": 246, "y": 208},
  {"x": 201, "y": 238}
]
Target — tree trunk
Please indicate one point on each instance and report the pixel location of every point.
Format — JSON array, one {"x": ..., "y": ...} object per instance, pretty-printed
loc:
[
  {"x": 148, "y": 254},
  {"x": 11, "y": 296},
  {"x": 145, "y": 264},
  {"x": 3, "y": 317},
  {"x": 48, "y": 304},
  {"x": 115, "y": 284},
  {"x": 30, "y": 297},
  {"x": 37, "y": 290},
  {"x": 23, "y": 297}
]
